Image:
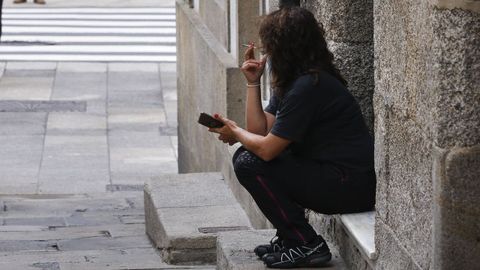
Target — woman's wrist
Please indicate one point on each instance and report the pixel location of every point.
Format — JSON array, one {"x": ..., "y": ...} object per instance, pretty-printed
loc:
[{"x": 253, "y": 84}]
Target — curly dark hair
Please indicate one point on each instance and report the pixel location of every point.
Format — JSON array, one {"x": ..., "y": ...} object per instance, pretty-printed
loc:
[{"x": 294, "y": 41}]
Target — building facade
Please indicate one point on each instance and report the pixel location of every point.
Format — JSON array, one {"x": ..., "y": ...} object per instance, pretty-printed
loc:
[{"x": 414, "y": 67}]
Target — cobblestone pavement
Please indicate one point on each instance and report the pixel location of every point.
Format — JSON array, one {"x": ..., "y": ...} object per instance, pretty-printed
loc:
[{"x": 79, "y": 139}]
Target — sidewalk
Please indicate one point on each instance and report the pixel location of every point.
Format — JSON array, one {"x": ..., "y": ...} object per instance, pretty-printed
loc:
[{"x": 85, "y": 127}]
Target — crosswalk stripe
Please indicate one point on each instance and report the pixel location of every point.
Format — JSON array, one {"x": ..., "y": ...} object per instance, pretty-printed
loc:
[
  {"x": 88, "y": 58},
  {"x": 89, "y": 34},
  {"x": 93, "y": 30},
  {"x": 88, "y": 39},
  {"x": 90, "y": 49},
  {"x": 89, "y": 23},
  {"x": 88, "y": 16},
  {"x": 88, "y": 10}
]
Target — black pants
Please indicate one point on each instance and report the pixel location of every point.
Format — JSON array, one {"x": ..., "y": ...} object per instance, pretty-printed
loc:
[{"x": 284, "y": 187}]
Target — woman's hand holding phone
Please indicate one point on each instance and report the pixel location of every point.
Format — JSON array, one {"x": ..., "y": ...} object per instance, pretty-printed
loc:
[{"x": 227, "y": 132}]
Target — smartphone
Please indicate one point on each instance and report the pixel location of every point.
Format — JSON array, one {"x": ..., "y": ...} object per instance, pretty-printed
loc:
[{"x": 209, "y": 121}]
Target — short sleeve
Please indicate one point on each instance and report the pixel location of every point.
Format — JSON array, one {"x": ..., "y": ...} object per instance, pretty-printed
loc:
[
  {"x": 295, "y": 115},
  {"x": 272, "y": 105}
]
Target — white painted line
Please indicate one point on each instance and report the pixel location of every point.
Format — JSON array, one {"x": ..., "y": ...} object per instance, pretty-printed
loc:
[
  {"x": 86, "y": 58},
  {"x": 88, "y": 10},
  {"x": 88, "y": 39},
  {"x": 85, "y": 30},
  {"x": 89, "y": 16},
  {"x": 88, "y": 49},
  {"x": 90, "y": 23}
]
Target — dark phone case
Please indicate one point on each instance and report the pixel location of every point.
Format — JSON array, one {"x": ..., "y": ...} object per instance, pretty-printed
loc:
[{"x": 209, "y": 121}]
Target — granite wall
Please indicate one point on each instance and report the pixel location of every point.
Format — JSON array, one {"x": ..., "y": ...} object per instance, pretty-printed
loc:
[
  {"x": 348, "y": 26},
  {"x": 414, "y": 67},
  {"x": 427, "y": 135}
]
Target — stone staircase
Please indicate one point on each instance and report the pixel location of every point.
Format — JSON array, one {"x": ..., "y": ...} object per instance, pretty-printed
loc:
[{"x": 197, "y": 219}]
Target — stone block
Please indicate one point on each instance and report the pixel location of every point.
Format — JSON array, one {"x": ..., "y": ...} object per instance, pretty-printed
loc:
[
  {"x": 360, "y": 228},
  {"x": 456, "y": 50},
  {"x": 176, "y": 190},
  {"x": 391, "y": 253},
  {"x": 409, "y": 188},
  {"x": 381, "y": 148},
  {"x": 456, "y": 227},
  {"x": 402, "y": 51},
  {"x": 334, "y": 232},
  {"x": 355, "y": 61},
  {"x": 462, "y": 4},
  {"x": 344, "y": 20},
  {"x": 196, "y": 44},
  {"x": 427, "y": 68},
  {"x": 235, "y": 251},
  {"x": 174, "y": 223},
  {"x": 215, "y": 15}
]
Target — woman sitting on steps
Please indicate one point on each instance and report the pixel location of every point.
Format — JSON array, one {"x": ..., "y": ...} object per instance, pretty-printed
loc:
[{"x": 309, "y": 148}]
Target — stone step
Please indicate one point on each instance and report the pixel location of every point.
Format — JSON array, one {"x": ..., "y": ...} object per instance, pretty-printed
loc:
[
  {"x": 361, "y": 229},
  {"x": 235, "y": 251},
  {"x": 184, "y": 213}
]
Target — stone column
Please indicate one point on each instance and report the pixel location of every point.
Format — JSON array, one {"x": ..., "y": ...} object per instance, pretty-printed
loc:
[{"x": 427, "y": 134}]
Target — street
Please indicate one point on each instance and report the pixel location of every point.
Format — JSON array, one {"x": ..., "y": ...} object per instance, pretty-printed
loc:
[{"x": 87, "y": 115}]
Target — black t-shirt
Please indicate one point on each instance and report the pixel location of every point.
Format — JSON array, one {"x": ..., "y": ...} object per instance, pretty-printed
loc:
[{"x": 324, "y": 122}]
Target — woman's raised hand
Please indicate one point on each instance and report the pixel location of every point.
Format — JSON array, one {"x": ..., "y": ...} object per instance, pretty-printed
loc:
[{"x": 252, "y": 68}]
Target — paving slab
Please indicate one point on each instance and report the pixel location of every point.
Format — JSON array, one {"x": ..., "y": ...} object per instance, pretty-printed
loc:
[
  {"x": 171, "y": 109},
  {"x": 26, "y": 88},
  {"x": 80, "y": 86},
  {"x": 135, "y": 99},
  {"x": 22, "y": 73},
  {"x": 29, "y": 123},
  {"x": 235, "y": 251},
  {"x": 132, "y": 138},
  {"x": 137, "y": 116},
  {"x": 2, "y": 68},
  {"x": 80, "y": 67},
  {"x": 133, "y": 81},
  {"x": 133, "y": 67},
  {"x": 185, "y": 226},
  {"x": 31, "y": 66},
  {"x": 77, "y": 121}
]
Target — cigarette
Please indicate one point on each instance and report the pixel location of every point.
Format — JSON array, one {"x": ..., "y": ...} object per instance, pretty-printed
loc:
[{"x": 248, "y": 46}]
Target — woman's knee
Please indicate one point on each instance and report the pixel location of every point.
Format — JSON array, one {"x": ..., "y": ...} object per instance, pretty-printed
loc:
[{"x": 245, "y": 162}]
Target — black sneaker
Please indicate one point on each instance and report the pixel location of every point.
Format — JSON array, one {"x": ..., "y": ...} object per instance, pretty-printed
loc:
[
  {"x": 313, "y": 254},
  {"x": 276, "y": 244}
]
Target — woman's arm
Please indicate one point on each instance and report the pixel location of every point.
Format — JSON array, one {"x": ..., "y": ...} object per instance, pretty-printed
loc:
[
  {"x": 255, "y": 118},
  {"x": 266, "y": 147}
]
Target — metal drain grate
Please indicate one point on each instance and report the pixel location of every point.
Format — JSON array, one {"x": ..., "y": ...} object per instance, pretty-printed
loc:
[{"x": 222, "y": 229}]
